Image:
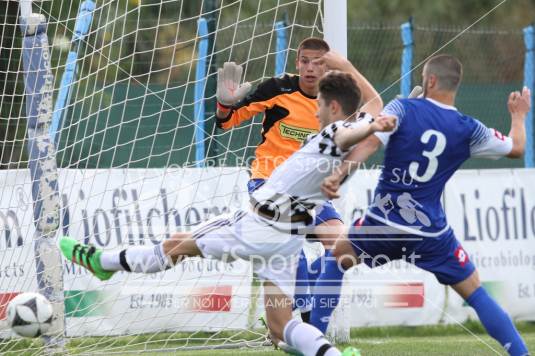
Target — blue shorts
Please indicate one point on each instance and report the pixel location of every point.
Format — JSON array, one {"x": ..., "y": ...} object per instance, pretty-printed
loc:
[
  {"x": 443, "y": 255},
  {"x": 323, "y": 214}
]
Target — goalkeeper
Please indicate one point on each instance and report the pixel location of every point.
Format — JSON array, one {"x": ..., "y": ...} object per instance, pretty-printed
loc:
[{"x": 289, "y": 106}]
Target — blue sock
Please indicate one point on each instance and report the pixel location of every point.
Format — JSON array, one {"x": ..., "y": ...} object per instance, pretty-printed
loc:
[
  {"x": 497, "y": 322},
  {"x": 302, "y": 297},
  {"x": 326, "y": 293},
  {"x": 313, "y": 274}
]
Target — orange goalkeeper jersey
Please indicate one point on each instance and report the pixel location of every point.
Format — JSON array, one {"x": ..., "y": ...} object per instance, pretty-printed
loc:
[{"x": 289, "y": 117}]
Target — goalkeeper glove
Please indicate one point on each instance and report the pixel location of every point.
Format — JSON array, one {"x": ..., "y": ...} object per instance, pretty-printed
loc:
[{"x": 229, "y": 90}]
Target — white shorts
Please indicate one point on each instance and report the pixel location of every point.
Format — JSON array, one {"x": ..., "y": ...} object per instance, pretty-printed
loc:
[{"x": 273, "y": 251}]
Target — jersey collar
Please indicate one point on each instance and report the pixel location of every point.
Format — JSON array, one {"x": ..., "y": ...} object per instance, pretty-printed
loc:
[
  {"x": 443, "y": 106},
  {"x": 296, "y": 78}
]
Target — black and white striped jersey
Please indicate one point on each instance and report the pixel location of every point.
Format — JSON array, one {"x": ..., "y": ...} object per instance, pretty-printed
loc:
[{"x": 299, "y": 178}]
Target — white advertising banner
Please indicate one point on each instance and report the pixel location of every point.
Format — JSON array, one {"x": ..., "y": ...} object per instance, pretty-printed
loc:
[
  {"x": 492, "y": 213},
  {"x": 113, "y": 208}
]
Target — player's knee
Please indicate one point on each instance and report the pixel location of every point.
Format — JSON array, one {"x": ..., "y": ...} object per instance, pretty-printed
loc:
[
  {"x": 178, "y": 236},
  {"x": 329, "y": 231},
  {"x": 474, "y": 279},
  {"x": 468, "y": 286},
  {"x": 345, "y": 254},
  {"x": 345, "y": 258},
  {"x": 171, "y": 246}
]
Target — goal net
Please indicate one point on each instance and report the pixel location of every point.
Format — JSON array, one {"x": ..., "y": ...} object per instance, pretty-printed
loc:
[{"x": 108, "y": 136}]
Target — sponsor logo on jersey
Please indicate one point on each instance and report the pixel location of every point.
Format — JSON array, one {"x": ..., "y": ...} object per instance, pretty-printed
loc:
[
  {"x": 461, "y": 256},
  {"x": 295, "y": 133}
]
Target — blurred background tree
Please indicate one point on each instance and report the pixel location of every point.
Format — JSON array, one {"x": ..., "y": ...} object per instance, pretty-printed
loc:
[{"x": 508, "y": 15}]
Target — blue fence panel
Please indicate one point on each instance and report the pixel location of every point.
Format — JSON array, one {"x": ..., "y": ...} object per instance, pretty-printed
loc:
[
  {"x": 282, "y": 48},
  {"x": 529, "y": 79},
  {"x": 406, "y": 59},
  {"x": 200, "y": 85}
]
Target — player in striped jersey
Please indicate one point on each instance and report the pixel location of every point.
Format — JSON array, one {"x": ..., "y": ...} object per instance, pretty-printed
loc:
[
  {"x": 272, "y": 232},
  {"x": 288, "y": 104}
]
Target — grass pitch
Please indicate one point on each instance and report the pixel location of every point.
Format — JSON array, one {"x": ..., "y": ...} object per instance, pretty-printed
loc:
[{"x": 470, "y": 339}]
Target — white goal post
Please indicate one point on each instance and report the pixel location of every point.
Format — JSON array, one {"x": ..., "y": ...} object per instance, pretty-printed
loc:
[
  {"x": 335, "y": 25},
  {"x": 335, "y": 33}
]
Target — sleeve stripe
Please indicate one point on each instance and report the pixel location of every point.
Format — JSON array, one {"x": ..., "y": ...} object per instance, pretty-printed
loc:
[
  {"x": 480, "y": 136},
  {"x": 396, "y": 108},
  {"x": 484, "y": 143}
]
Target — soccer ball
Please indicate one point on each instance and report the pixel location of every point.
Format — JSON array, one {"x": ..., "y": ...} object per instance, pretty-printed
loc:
[{"x": 29, "y": 314}]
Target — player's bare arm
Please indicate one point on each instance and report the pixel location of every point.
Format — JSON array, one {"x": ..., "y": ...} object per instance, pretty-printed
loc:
[
  {"x": 372, "y": 102},
  {"x": 346, "y": 137},
  {"x": 368, "y": 145},
  {"x": 352, "y": 162},
  {"x": 355, "y": 158},
  {"x": 519, "y": 105}
]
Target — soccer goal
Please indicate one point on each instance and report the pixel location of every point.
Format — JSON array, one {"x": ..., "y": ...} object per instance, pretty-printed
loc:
[{"x": 108, "y": 128}]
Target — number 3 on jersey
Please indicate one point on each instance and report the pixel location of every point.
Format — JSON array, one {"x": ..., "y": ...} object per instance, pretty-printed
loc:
[{"x": 432, "y": 155}]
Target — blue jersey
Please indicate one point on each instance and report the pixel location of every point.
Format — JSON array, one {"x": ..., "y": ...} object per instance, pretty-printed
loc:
[{"x": 431, "y": 141}]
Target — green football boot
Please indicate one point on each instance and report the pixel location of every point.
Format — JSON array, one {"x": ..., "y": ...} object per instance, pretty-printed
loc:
[{"x": 87, "y": 256}]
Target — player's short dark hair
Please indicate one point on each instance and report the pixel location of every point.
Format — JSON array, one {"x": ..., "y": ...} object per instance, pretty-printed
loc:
[
  {"x": 343, "y": 88},
  {"x": 313, "y": 43},
  {"x": 448, "y": 70}
]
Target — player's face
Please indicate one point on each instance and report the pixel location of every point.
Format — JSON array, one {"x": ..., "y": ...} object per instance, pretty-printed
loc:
[
  {"x": 324, "y": 112},
  {"x": 309, "y": 72}
]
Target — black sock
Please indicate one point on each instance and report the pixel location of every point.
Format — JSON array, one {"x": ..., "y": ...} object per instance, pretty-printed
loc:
[
  {"x": 305, "y": 316},
  {"x": 122, "y": 261}
]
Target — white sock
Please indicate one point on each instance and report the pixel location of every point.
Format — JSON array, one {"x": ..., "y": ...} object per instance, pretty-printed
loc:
[
  {"x": 109, "y": 260},
  {"x": 139, "y": 259},
  {"x": 307, "y": 339}
]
